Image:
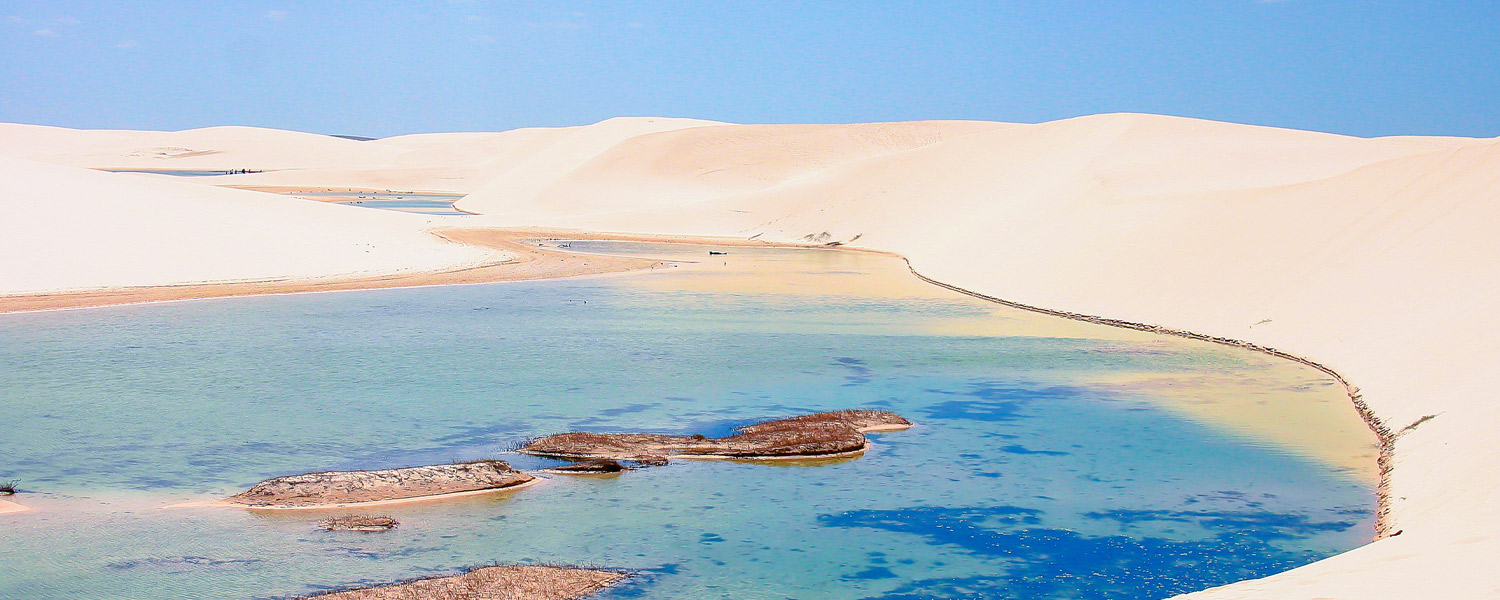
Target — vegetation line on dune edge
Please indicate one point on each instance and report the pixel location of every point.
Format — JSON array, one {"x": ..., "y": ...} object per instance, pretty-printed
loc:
[{"x": 1385, "y": 438}]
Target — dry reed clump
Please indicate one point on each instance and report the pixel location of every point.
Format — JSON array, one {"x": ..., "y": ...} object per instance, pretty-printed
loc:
[
  {"x": 602, "y": 465},
  {"x": 344, "y": 487},
  {"x": 805, "y": 436},
  {"x": 367, "y": 523},
  {"x": 499, "y": 582}
]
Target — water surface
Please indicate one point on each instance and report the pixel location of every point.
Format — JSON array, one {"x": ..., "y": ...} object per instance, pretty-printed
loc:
[
  {"x": 175, "y": 172},
  {"x": 1051, "y": 458},
  {"x": 428, "y": 203}
]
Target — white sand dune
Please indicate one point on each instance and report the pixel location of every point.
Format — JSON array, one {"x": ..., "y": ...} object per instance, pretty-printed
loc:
[
  {"x": 687, "y": 166},
  {"x": 462, "y": 162},
  {"x": 208, "y": 149},
  {"x": 64, "y": 228},
  {"x": 1371, "y": 256},
  {"x": 441, "y": 162}
]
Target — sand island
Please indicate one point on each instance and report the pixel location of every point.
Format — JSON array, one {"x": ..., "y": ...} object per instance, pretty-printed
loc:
[
  {"x": 334, "y": 489},
  {"x": 818, "y": 435}
]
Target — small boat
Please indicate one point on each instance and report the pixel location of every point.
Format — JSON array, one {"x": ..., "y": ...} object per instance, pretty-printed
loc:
[{"x": 716, "y": 252}]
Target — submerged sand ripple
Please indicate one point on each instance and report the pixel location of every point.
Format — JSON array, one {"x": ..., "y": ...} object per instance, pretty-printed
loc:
[{"x": 512, "y": 582}]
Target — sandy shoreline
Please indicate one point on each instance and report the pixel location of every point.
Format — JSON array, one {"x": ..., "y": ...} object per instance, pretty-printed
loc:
[
  {"x": 532, "y": 262},
  {"x": 1385, "y": 438},
  {"x": 529, "y": 263}
]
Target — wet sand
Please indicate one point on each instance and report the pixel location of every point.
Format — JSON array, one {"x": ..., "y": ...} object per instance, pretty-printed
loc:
[{"x": 530, "y": 262}]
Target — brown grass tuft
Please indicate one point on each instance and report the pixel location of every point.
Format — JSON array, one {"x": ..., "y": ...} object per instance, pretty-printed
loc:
[{"x": 359, "y": 523}]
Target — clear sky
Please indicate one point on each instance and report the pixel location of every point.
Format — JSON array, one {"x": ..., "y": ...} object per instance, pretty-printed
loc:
[{"x": 382, "y": 68}]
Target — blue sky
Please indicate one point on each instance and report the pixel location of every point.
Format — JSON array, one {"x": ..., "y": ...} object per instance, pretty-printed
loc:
[{"x": 384, "y": 68}]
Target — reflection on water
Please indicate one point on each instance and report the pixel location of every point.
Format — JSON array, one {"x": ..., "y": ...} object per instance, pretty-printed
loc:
[{"x": 1050, "y": 459}]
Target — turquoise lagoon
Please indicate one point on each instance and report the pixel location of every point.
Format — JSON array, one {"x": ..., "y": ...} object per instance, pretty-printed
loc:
[{"x": 1051, "y": 459}]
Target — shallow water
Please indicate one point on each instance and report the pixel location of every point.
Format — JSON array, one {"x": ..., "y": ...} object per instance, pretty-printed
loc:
[
  {"x": 421, "y": 203},
  {"x": 173, "y": 172},
  {"x": 1051, "y": 458},
  {"x": 427, "y": 203}
]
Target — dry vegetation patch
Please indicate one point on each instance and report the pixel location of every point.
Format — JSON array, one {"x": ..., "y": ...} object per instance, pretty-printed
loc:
[
  {"x": 590, "y": 467},
  {"x": 367, "y": 523}
]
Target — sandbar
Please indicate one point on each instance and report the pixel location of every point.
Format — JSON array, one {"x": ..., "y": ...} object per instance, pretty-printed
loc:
[
  {"x": 8, "y": 507},
  {"x": 530, "y": 262},
  {"x": 334, "y": 506},
  {"x": 818, "y": 435},
  {"x": 342, "y": 489}
]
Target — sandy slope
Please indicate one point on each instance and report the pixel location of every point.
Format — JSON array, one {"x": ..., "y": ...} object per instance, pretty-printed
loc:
[
  {"x": 66, "y": 228},
  {"x": 1372, "y": 256},
  {"x": 212, "y": 148},
  {"x": 690, "y": 165}
]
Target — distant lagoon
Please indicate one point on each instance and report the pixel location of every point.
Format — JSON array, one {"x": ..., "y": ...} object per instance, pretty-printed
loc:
[
  {"x": 1051, "y": 459},
  {"x": 173, "y": 172},
  {"x": 427, "y": 203}
]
